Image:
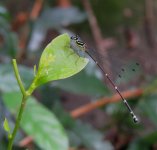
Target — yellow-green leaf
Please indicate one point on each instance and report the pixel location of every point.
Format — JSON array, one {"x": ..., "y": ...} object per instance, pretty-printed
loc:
[
  {"x": 58, "y": 61},
  {"x": 6, "y": 125}
]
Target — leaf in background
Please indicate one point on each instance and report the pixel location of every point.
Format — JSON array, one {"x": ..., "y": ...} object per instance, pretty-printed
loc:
[
  {"x": 150, "y": 138},
  {"x": 144, "y": 142},
  {"x": 39, "y": 122},
  {"x": 58, "y": 17},
  {"x": 3, "y": 145},
  {"x": 4, "y": 23},
  {"x": 58, "y": 61},
  {"x": 138, "y": 144},
  {"x": 89, "y": 137},
  {"x": 148, "y": 105},
  {"x": 83, "y": 83},
  {"x": 80, "y": 133},
  {"x": 3, "y": 12},
  {"x": 7, "y": 77},
  {"x": 9, "y": 42},
  {"x": 54, "y": 18},
  {"x": 63, "y": 116}
]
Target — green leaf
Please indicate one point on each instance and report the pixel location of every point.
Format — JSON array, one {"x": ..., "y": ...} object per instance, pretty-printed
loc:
[
  {"x": 88, "y": 136},
  {"x": 55, "y": 17},
  {"x": 150, "y": 138},
  {"x": 82, "y": 133},
  {"x": 4, "y": 13},
  {"x": 145, "y": 142},
  {"x": 9, "y": 46},
  {"x": 138, "y": 144},
  {"x": 6, "y": 125},
  {"x": 148, "y": 105},
  {"x": 58, "y": 61},
  {"x": 39, "y": 123}
]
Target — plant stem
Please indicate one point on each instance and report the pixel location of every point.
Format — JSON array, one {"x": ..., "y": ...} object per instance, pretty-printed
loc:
[
  {"x": 17, "y": 122},
  {"x": 17, "y": 75},
  {"x": 23, "y": 103}
]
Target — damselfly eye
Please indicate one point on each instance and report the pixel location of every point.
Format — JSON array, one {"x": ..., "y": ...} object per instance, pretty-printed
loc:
[{"x": 74, "y": 37}]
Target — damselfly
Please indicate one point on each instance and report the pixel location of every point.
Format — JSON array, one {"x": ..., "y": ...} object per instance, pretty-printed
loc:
[{"x": 80, "y": 49}]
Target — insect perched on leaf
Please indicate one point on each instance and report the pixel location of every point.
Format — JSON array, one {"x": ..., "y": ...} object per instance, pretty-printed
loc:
[{"x": 81, "y": 50}]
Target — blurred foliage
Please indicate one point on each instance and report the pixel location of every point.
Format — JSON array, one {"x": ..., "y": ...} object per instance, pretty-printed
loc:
[
  {"x": 81, "y": 133},
  {"x": 90, "y": 85},
  {"x": 58, "y": 19},
  {"x": 39, "y": 118},
  {"x": 113, "y": 13},
  {"x": 88, "y": 136},
  {"x": 7, "y": 78},
  {"x": 8, "y": 39},
  {"x": 38, "y": 122},
  {"x": 110, "y": 14}
]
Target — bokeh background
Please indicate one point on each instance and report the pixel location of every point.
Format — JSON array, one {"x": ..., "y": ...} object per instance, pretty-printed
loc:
[{"x": 88, "y": 111}]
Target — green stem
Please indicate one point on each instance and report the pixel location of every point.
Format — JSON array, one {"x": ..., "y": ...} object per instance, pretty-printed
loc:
[
  {"x": 17, "y": 122},
  {"x": 23, "y": 103},
  {"x": 17, "y": 75}
]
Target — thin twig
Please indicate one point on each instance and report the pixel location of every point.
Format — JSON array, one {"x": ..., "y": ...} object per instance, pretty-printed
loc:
[
  {"x": 149, "y": 23},
  {"x": 36, "y": 9},
  {"x": 96, "y": 31},
  {"x": 64, "y": 3},
  {"x": 26, "y": 141},
  {"x": 93, "y": 24},
  {"x": 32, "y": 16},
  {"x": 99, "y": 103}
]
